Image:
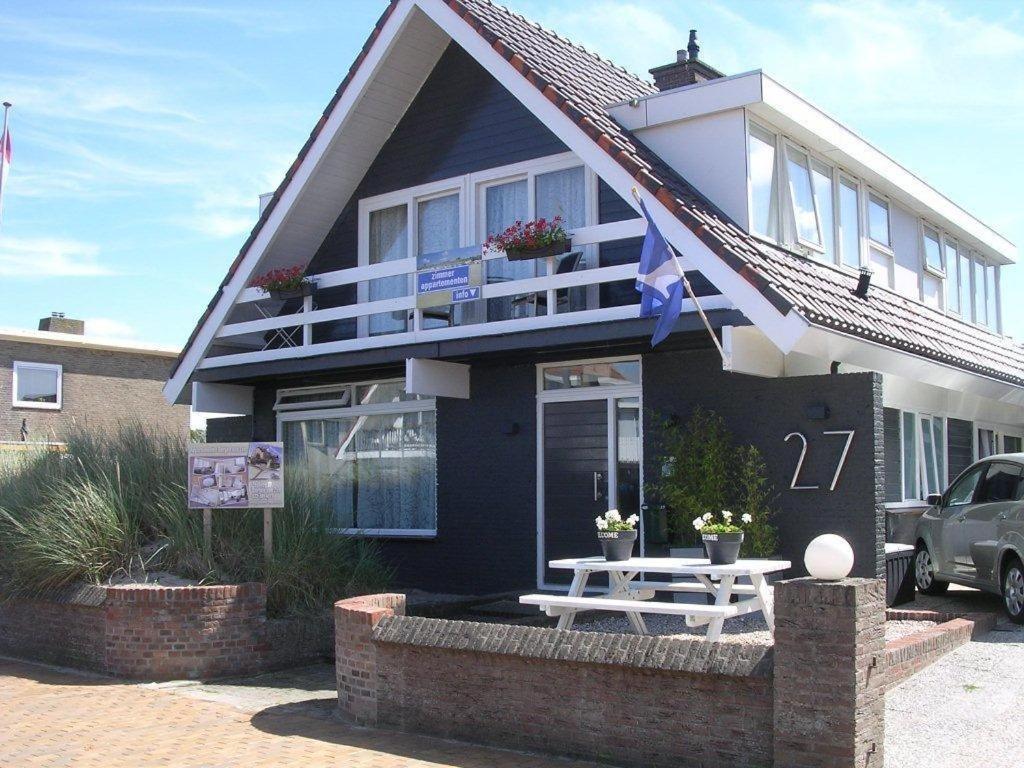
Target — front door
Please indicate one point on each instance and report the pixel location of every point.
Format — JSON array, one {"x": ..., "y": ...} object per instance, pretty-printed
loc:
[{"x": 589, "y": 462}]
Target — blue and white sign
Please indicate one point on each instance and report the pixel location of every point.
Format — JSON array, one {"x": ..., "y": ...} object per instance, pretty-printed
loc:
[
  {"x": 445, "y": 279},
  {"x": 465, "y": 294}
]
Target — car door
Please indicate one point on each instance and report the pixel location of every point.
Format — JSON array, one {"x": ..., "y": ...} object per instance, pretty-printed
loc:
[
  {"x": 979, "y": 532},
  {"x": 952, "y": 556}
]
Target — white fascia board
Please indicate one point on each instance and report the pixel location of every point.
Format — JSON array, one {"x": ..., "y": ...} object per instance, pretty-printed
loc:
[
  {"x": 805, "y": 122},
  {"x": 229, "y": 294},
  {"x": 689, "y": 101},
  {"x": 783, "y": 330},
  {"x": 828, "y": 345}
]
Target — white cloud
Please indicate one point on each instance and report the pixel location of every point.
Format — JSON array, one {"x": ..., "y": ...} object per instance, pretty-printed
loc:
[
  {"x": 43, "y": 257},
  {"x": 109, "y": 328}
]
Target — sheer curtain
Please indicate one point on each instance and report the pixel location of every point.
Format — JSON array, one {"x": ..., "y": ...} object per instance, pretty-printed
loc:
[
  {"x": 563, "y": 193},
  {"x": 504, "y": 205},
  {"x": 437, "y": 228},
  {"x": 388, "y": 242}
]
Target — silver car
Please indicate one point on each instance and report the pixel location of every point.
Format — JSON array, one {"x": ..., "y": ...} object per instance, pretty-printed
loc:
[{"x": 973, "y": 534}]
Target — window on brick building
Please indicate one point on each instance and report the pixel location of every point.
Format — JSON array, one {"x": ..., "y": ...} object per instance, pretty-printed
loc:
[{"x": 36, "y": 385}]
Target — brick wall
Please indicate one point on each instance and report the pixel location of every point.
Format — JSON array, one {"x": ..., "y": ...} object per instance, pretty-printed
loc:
[
  {"x": 908, "y": 655},
  {"x": 102, "y": 389},
  {"x": 813, "y": 700},
  {"x": 185, "y": 632},
  {"x": 166, "y": 633}
]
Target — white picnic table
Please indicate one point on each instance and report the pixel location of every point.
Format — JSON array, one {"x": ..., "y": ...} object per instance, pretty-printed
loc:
[{"x": 634, "y": 598}]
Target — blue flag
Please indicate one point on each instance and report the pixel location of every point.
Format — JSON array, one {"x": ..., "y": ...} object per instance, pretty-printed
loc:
[{"x": 659, "y": 280}]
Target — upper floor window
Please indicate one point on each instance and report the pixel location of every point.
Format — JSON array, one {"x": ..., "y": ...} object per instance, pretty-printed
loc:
[
  {"x": 878, "y": 221},
  {"x": 36, "y": 385},
  {"x": 932, "y": 250},
  {"x": 764, "y": 194},
  {"x": 849, "y": 222}
]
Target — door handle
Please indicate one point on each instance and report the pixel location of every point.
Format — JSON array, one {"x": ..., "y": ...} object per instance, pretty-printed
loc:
[{"x": 598, "y": 492}]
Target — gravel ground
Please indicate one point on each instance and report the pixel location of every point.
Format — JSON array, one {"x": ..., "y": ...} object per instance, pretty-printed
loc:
[
  {"x": 964, "y": 711},
  {"x": 749, "y": 628}
]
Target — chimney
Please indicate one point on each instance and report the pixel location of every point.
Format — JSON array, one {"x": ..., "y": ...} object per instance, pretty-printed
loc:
[
  {"x": 688, "y": 69},
  {"x": 58, "y": 323}
]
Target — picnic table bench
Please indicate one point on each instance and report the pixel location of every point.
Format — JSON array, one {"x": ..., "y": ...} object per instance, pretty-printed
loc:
[{"x": 635, "y": 598}]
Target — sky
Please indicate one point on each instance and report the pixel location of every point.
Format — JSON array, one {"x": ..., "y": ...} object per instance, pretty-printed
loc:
[{"x": 144, "y": 132}]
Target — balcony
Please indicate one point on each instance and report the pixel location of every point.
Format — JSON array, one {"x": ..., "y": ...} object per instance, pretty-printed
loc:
[{"x": 573, "y": 289}]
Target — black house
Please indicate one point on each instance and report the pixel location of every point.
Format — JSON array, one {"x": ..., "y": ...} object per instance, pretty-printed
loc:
[{"x": 475, "y": 413}]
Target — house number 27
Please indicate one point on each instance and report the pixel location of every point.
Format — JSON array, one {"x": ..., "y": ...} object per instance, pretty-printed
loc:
[{"x": 794, "y": 484}]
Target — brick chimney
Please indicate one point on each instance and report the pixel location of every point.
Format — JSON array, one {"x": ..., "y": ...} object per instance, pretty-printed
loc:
[
  {"x": 57, "y": 323},
  {"x": 688, "y": 69}
]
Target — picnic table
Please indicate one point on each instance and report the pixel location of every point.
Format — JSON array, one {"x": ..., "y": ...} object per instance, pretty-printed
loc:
[{"x": 635, "y": 598}]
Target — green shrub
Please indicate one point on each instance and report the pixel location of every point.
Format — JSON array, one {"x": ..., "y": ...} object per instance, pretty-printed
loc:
[
  {"x": 703, "y": 471},
  {"x": 116, "y": 504}
]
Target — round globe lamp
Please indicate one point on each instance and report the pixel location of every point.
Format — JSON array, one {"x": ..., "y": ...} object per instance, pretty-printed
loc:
[{"x": 829, "y": 557}]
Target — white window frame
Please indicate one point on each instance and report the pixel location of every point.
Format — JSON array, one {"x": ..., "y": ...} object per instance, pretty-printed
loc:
[
  {"x": 1000, "y": 432},
  {"x": 921, "y": 470},
  {"x": 789, "y": 147},
  {"x": 316, "y": 411},
  {"x": 869, "y": 194},
  {"x": 49, "y": 367},
  {"x": 924, "y": 229}
]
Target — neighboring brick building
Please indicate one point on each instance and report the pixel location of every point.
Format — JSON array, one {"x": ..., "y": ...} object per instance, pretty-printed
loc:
[{"x": 55, "y": 377}]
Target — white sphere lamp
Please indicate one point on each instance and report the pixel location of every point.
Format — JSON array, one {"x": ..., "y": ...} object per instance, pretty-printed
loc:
[{"x": 829, "y": 557}]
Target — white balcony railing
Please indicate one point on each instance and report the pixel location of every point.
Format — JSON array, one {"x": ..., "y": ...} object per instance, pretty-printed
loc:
[{"x": 246, "y": 341}]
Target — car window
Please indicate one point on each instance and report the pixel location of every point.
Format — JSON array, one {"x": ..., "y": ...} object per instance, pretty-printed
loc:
[
  {"x": 962, "y": 491},
  {"x": 1002, "y": 483}
]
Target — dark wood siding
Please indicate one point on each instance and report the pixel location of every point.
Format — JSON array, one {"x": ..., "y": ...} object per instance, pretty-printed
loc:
[
  {"x": 461, "y": 121},
  {"x": 960, "y": 442},
  {"x": 893, "y": 455}
]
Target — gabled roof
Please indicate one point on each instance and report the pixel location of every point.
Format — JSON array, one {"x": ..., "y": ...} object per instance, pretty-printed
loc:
[{"x": 582, "y": 85}]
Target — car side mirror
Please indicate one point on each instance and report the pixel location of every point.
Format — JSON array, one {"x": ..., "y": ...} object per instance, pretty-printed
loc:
[{"x": 934, "y": 499}]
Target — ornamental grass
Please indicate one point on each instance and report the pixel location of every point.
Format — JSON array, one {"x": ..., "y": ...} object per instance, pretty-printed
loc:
[{"x": 113, "y": 508}]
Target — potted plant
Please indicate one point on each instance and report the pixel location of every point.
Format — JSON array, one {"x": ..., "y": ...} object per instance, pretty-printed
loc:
[
  {"x": 616, "y": 535},
  {"x": 285, "y": 283},
  {"x": 722, "y": 538},
  {"x": 531, "y": 240}
]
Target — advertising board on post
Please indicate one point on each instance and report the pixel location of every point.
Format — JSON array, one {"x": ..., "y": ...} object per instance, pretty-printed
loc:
[{"x": 235, "y": 475}]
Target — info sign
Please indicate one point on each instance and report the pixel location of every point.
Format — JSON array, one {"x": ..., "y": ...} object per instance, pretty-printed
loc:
[
  {"x": 235, "y": 475},
  {"x": 449, "y": 277}
]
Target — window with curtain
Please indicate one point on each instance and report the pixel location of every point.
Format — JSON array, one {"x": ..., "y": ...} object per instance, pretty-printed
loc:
[
  {"x": 376, "y": 462},
  {"x": 563, "y": 193},
  {"x": 504, "y": 204},
  {"x": 389, "y": 241},
  {"x": 438, "y": 227},
  {"x": 764, "y": 213}
]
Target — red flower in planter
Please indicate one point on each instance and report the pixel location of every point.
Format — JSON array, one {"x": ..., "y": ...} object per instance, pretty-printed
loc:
[
  {"x": 283, "y": 279},
  {"x": 528, "y": 236}
]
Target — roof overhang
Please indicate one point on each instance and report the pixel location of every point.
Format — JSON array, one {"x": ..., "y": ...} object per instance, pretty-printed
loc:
[
  {"x": 771, "y": 102},
  {"x": 350, "y": 135}
]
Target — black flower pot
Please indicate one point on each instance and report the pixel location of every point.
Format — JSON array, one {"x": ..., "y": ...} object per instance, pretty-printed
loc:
[
  {"x": 723, "y": 548},
  {"x": 525, "y": 254},
  {"x": 617, "y": 545},
  {"x": 306, "y": 289}
]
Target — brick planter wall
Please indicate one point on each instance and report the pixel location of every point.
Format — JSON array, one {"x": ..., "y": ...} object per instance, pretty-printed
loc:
[
  {"x": 813, "y": 700},
  {"x": 158, "y": 633},
  {"x": 908, "y": 655}
]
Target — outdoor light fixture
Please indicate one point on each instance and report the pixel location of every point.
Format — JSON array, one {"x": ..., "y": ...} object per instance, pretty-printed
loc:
[{"x": 829, "y": 557}]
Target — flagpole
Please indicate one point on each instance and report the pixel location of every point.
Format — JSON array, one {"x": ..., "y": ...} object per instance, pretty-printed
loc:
[
  {"x": 3, "y": 139},
  {"x": 689, "y": 292}
]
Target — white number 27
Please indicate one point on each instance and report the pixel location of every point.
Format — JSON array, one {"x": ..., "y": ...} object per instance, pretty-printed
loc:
[{"x": 794, "y": 484}]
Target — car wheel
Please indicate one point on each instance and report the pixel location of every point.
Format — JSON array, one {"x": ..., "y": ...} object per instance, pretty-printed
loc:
[
  {"x": 924, "y": 573},
  {"x": 1013, "y": 590}
]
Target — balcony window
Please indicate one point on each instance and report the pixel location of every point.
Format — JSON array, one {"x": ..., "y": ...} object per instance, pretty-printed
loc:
[
  {"x": 37, "y": 385},
  {"x": 389, "y": 241},
  {"x": 764, "y": 200},
  {"x": 376, "y": 461}
]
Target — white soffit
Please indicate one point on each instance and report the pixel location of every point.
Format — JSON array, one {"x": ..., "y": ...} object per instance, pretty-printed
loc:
[{"x": 771, "y": 102}]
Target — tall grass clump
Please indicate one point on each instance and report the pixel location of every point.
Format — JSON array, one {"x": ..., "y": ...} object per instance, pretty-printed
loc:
[{"x": 114, "y": 505}]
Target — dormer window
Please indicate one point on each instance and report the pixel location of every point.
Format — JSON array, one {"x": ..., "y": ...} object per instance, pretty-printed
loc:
[
  {"x": 932, "y": 250},
  {"x": 878, "y": 221},
  {"x": 764, "y": 186}
]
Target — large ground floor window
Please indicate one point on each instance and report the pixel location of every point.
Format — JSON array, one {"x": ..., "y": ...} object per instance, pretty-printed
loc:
[{"x": 376, "y": 455}]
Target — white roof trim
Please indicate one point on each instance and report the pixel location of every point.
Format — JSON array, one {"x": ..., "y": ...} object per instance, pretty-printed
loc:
[
  {"x": 778, "y": 106},
  {"x": 784, "y": 331},
  {"x": 51, "y": 338}
]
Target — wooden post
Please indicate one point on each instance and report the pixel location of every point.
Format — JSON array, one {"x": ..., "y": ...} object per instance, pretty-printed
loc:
[
  {"x": 268, "y": 534},
  {"x": 208, "y": 534}
]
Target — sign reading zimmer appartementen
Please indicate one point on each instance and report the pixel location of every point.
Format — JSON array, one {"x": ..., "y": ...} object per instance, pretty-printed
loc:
[
  {"x": 235, "y": 475},
  {"x": 449, "y": 277}
]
